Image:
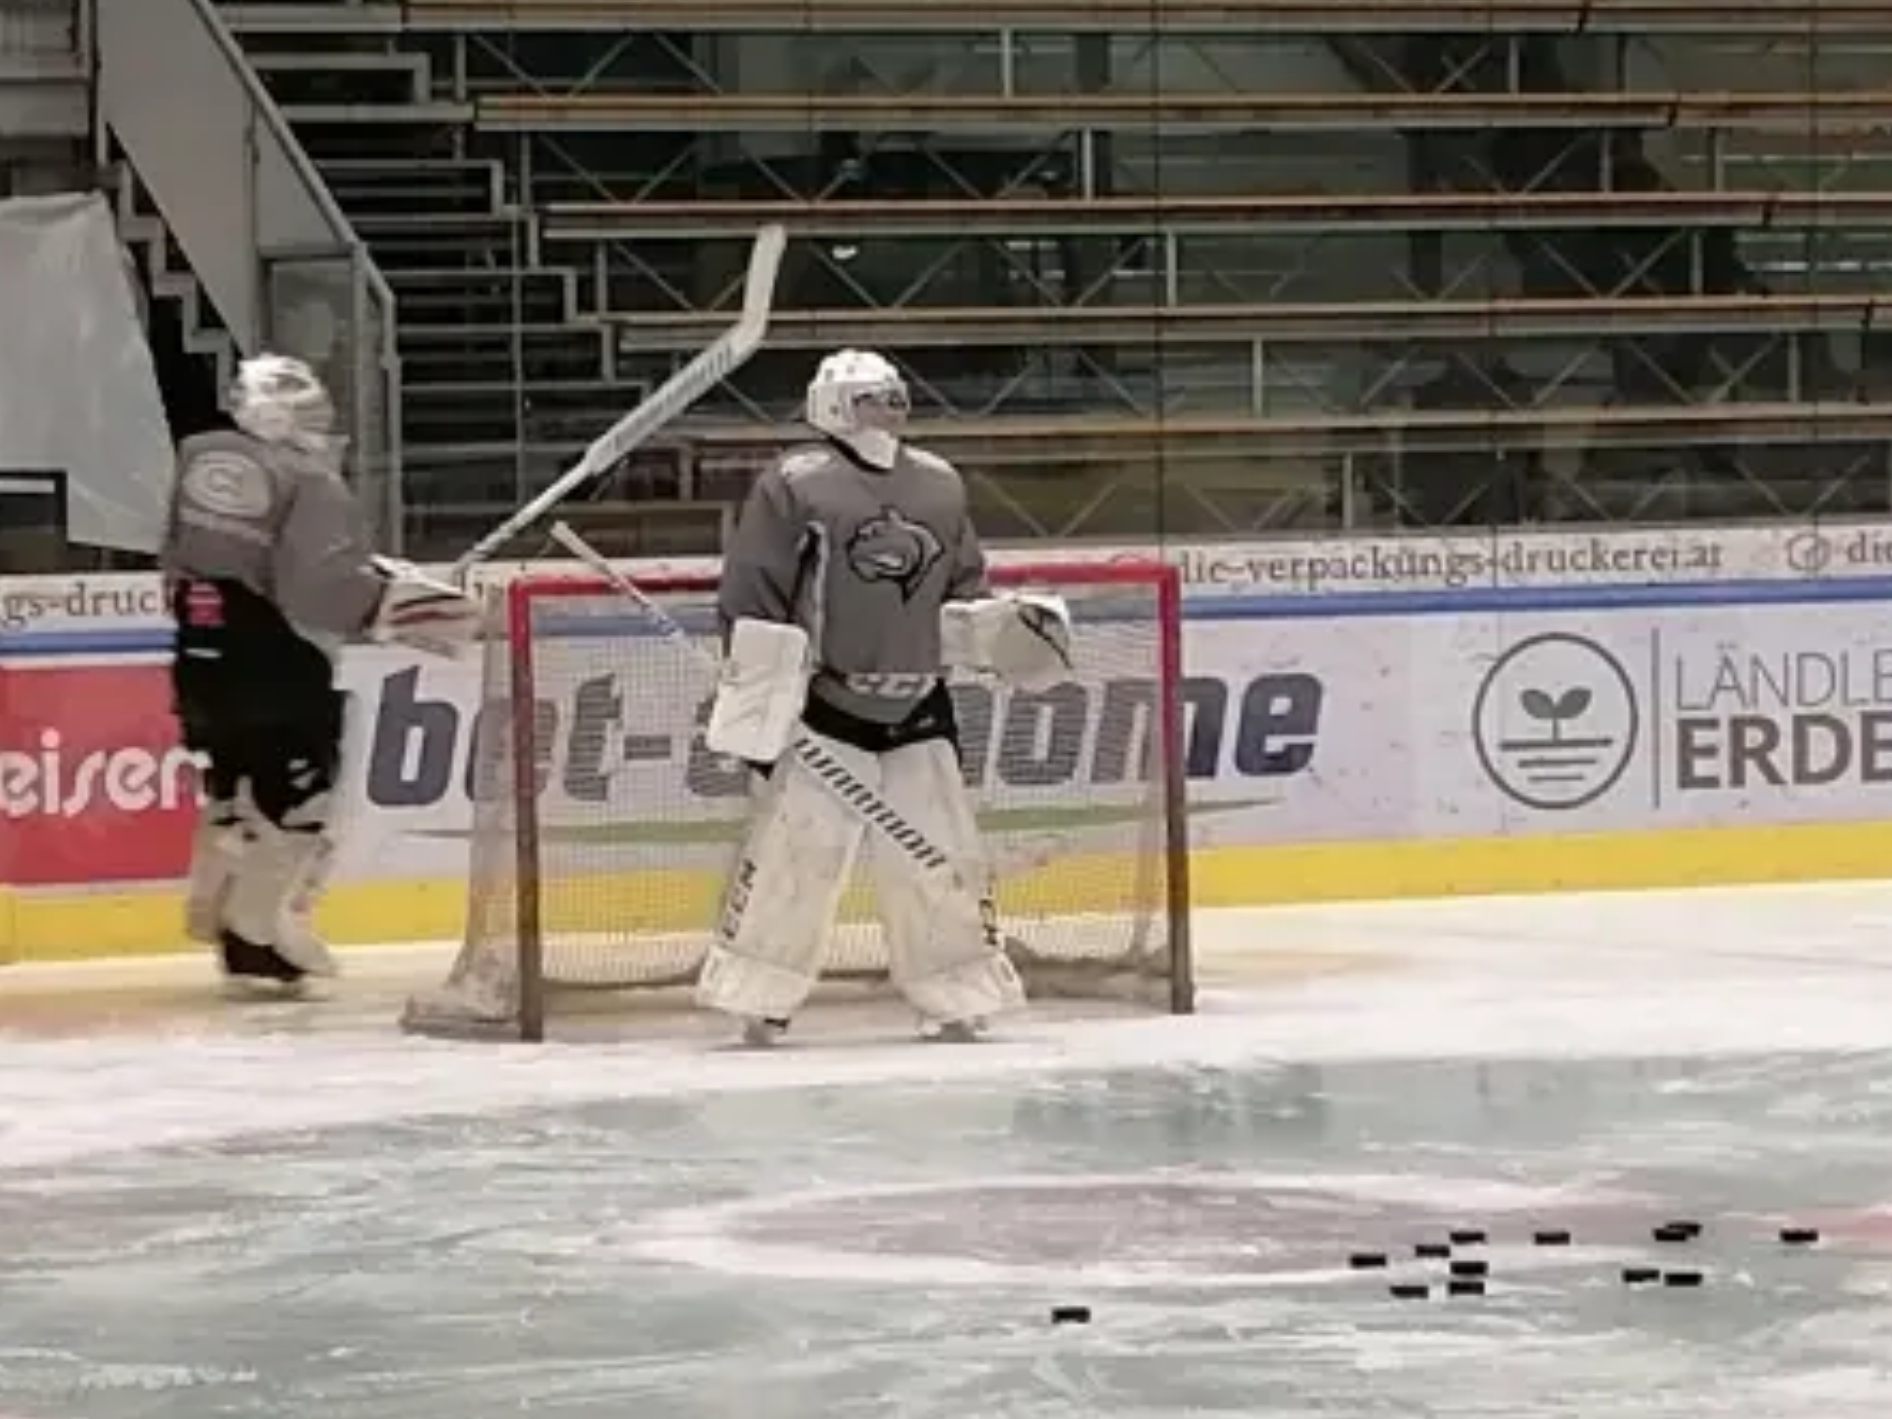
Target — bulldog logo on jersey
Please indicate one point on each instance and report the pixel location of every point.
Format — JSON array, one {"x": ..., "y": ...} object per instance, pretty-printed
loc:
[{"x": 894, "y": 548}]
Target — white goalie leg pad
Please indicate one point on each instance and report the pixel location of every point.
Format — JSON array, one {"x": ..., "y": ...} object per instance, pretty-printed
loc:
[
  {"x": 280, "y": 862},
  {"x": 760, "y": 692},
  {"x": 216, "y": 848},
  {"x": 942, "y": 941},
  {"x": 297, "y": 940},
  {"x": 779, "y": 906},
  {"x": 1023, "y": 637}
]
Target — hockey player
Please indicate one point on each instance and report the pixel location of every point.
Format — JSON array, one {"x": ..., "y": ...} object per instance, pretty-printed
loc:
[
  {"x": 267, "y": 570},
  {"x": 851, "y": 558}
]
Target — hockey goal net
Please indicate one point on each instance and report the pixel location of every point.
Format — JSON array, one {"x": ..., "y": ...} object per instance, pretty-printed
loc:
[{"x": 603, "y": 827}]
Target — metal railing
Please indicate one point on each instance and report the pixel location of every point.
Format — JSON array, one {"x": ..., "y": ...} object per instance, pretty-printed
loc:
[{"x": 262, "y": 232}]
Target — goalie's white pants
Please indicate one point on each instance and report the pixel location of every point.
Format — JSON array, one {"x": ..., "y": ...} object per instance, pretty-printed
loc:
[{"x": 942, "y": 941}]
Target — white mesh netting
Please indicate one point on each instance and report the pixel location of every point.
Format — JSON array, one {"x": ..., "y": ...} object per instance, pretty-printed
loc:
[{"x": 636, "y": 822}]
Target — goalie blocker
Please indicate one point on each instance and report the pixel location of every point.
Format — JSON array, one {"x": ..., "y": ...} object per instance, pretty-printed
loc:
[{"x": 599, "y": 866}]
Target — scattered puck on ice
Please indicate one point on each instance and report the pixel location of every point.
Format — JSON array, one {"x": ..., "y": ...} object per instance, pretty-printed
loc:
[
  {"x": 1692, "y": 1228},
  {"x": 1553, "y": 1238},
  {"x": 1367, "y": 1260},
  {"x": 1411, "y": 1291},
  {"x": 1469, "y": 1237},
  {"x": 1684, "y": 1280},
  {"x": 1641, "y": 1275},
  {"x": 1676, "y": 1232},
  {"x": 1465, "y": 1288},
  {"x": 1070, "y": 1315},
  {"x": 1471, "y": 1268},
  {"x": 1799, "y": 1236},
  {"x": 1432, "y": 1251}
]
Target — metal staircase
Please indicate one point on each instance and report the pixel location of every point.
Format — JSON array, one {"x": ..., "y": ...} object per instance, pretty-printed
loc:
[
  {"x": 167, "y": 275},
  {"x": 504, "y": 370},
  {"x": 508, "y": 369}
]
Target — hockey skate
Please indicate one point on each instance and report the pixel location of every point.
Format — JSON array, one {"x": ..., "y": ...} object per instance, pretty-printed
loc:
[
  {"x": 252, "y": 970},
  {"x": 953, "y": 1032},
  {"x": 759, "y": 1033}
]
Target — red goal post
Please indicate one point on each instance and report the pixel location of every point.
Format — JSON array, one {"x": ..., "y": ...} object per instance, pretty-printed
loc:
[{"x": 603, "y": 827}]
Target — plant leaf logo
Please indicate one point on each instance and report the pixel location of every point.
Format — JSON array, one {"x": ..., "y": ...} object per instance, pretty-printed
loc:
[{"x": 1555, "y": 722}]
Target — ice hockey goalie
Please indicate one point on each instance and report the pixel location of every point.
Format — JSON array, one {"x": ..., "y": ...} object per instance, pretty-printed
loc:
[
  {"x": 268, "y": 571},
  {"x": 834, "y": 599}
]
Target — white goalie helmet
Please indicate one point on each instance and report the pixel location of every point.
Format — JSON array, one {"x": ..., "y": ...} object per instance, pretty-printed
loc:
[
  {"x": 280, "y": 400},
  {"x": 859, "y": 398}
]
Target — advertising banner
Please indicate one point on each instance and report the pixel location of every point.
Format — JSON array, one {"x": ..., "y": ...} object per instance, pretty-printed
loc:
[
  {"x": 42, "y": 614},
  {"x": 93, "y": 785},
  {"x": 1409, "y": 721}
]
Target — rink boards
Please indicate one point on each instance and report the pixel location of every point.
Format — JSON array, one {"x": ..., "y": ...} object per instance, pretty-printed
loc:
[{"x": 1341, "y": 744}]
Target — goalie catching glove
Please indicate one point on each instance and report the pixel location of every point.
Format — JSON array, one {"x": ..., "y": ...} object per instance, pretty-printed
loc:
[
  {"x": 418, "y": 611},
  {"x": 761, "y": 691},
  {"x": 1021, "y": 637}
]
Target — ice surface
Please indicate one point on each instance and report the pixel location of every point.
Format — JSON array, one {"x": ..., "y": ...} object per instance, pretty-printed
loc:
[{"x": 290, "y": 1210}]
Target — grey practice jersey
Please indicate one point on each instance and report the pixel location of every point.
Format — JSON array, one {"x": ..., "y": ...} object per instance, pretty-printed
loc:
[
  {"x": 863, "y": 561},
  {"x": 279, "y": 521}
]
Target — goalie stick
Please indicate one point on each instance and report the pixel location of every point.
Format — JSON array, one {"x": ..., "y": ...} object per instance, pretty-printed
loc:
[
  {"x": 930, "y": 864},
  {"x": 671, "y": 399}
]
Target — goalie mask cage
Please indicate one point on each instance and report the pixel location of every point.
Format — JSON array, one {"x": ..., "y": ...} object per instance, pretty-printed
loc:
[{"x": 603, "y": 829}]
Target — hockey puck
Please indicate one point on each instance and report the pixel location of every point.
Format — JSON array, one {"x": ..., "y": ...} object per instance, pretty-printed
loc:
[
  {"x": 1469, "y": 1237},
  {"x": 1641, "y": 1275},
  {"x": 1367, "y": 1260},
  {"x": 1799, "y": 1236},
  {"x": 1070, "y": 1315},
  {"x": 1471, "y": 1268},
  {"x": 1410, "y": 1291},
  {"x": 1432, "y": 1251},
  {"x": 1692, "y": 1228},
  {"x": 1674, "y": 1232},
  {"x": 1465, "y": 1288},
  {"x": 1553, "y": 1238},
  {"x": 1682, "y": 1280}
]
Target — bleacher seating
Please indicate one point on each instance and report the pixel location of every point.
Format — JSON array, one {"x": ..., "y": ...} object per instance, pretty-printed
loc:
[{"x": 1424, "y": 236}]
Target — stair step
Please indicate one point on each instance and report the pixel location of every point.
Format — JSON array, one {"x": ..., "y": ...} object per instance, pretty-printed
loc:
[
  {"x": 603, "y": 391},
  {"x": 437, "y": 306},
  {"x": 422, "y": 332},
  {"x": 300, "y": 78},
  {"x": 394, "y": 257},
  {"x": 379, "y": 115},
  {"x": 405, "y": 143},
  {"x": 313, "y": 19},
  {"x": 350, "y": 61},
  {"x": 382, "y": 180},
  {"x": 421, "y": 277},
  {"x": 420, "y": 224},
  {"x": 365, "y": 204},
  {"x": 497, "y": 353},
  {"x": 368, "y": 168},
  {"x": 421, "y": 367}
]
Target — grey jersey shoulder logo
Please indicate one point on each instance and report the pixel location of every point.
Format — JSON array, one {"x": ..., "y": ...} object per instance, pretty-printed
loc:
[
  {"x": 893, "y": 547},
  {"x": 225, "y": 482}
]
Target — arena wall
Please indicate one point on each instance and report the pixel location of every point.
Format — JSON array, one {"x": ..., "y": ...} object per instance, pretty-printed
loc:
[{"x": 1368, "y": 718}]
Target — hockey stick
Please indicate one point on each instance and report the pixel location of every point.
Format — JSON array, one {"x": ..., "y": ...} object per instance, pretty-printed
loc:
[
  {"x": 672, "y": 398},
  {"x": 829, "y": 771}
]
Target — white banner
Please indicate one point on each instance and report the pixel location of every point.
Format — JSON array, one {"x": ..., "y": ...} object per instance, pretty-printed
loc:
[
  {"x": 1300, "y": 729},
  {"x": 78, "y": 392},
  {"x": 1417, "y": 563}
]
